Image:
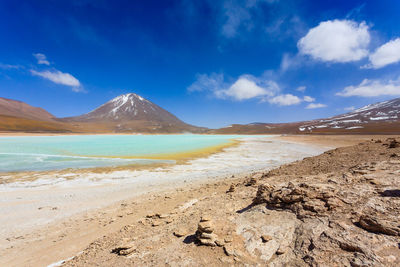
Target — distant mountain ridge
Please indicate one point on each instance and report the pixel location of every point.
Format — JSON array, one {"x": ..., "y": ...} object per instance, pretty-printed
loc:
[
  {"x": 381, "y": 117},
  {"x": 387, "y": 112},
  {"x": 131, "y": 113},
  {"x": 20, "y": 109}
]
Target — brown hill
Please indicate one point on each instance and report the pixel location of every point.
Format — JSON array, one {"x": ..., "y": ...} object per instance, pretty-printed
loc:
[{"x": 20, "y": 109}]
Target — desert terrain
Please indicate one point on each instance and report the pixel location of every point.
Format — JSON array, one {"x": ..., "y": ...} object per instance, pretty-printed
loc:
[{"x": 247, "y": 220}]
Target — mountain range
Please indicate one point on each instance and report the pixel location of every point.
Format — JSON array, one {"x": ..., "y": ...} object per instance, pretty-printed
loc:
[{"x": 131, "y": 113}]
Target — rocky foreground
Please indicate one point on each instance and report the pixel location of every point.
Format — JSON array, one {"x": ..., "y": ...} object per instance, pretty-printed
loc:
[{"x": 341, "y": 208}]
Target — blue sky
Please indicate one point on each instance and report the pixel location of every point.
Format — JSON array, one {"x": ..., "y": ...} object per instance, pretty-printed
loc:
[{"x": 211, "y": 63}]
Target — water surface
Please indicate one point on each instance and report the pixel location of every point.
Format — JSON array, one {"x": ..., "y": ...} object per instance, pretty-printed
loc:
[{"x": 35, "y": 153}]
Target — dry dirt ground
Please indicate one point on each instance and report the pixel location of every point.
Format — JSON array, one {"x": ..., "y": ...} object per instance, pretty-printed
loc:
[{"x": 337, "y": 209}]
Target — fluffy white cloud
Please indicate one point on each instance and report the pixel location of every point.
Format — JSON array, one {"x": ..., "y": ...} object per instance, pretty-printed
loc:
[
  {"x": 308, "y": 98},
  {"x": 59, "y": 77},
  {"x": 41, "y": 59},
  {"x": 285, "y": 100},
  {"x": 336, "y": 41},
  {"x": 245, "y": 87},
  {"x": 315, "y": 105},
  {"x": 386, "y": 54},
  {"x": 372, "y": 88},
  {"x": 301, "y": 89}
]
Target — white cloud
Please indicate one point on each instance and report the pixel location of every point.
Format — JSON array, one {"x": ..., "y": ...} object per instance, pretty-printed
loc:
[
  {"x": 336, "y": 41},
  {"x": 301, "y": 89},
  {"x": 386, "y": 54},
  {"x": 204, "y": 82},
  {"x": 315, "y": 105},
  {"x": 247, "y": 87},
  {"x": 41, "y": 59},
  {"x": 285, "y": 100},
  {"x": 308, "y": 98},
  {"x": 59, "y": 77},
  {"x": 372, "y": 88},
  {"x": 350, "y": 108}
]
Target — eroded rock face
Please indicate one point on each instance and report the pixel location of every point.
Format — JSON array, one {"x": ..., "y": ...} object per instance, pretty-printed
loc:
[
  {"x": 303, "y": 199},
  {"x": 345, "y": 219}
]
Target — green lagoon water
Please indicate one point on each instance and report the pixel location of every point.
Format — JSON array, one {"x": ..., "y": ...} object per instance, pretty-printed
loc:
[{"x": 36, "y": 153}]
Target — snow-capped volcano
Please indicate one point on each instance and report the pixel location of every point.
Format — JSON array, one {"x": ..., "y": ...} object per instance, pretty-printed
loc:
[
  {"x": 133, "y": 113},
  {"x": 126, "y": 108}
]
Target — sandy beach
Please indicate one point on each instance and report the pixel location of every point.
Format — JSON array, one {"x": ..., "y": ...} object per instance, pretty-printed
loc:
[{"x": 69, "y": 210}]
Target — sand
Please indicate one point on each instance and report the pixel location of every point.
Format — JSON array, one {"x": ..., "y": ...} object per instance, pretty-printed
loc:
[{"x": 67, "y": 213}]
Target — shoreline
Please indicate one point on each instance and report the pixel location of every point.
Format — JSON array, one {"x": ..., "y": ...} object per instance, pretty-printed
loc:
[
  {"x": 179, "y": 158},
  {"x": 31, "y": 239}
]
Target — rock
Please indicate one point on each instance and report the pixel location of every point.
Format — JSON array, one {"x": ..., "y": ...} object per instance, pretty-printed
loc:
[
  {"x": 155, "y": 223},
  {"x": 362, "y": 172},
  {"x": 205, "y": 218},
  {"x": 219, "y": 242},
  {"x": 251, "y": 182},
  {"x": 228, "y": 249},
  {"x": 266, "y": 238},
  {"x": 204, "y": 233},
  {"x": 393, "y": 143},
  {"x": 125, "y": 248},
  {"x": 228, "y": 239},
  {"x": 231, "y": 189},
  {"x": 376, "y": 225},
  {"x": 281, "y": 250},
  {"x": 180, "y": 232},
  {"x": 206, "y": 227}
]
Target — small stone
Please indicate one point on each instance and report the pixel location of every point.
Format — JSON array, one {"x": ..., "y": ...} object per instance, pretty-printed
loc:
[
  {"x": 205, "y": 218},
  {"x": 208, "y": 236},
  {"x": 231, "y": 189},
  {"x": 162, "y": 216},
  {"x": 219, "y": 243},
  {"x": 180, "y": 232},
  {"x": 155, "y": 223},
  {"x": 228, "y": 239},
  {"x": 281, "y": 250},
  {"x": 207, "y": 242},
  {"x": 205, "y": 227},
  {"x": 266, "y": 238},
  {"x": 228, "y": 249}
]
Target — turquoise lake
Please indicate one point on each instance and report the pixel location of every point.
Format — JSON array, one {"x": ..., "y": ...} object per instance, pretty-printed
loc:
[{"x": 37, "y": 153}]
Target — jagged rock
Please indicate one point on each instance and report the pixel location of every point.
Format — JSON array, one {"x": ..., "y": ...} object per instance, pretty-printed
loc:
[
  {"x": 302, "y": 199},
  {"x": 393, "y": 143},
  {"x": 376, "y": 225},
  {"x": 251, "y": 182}
]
